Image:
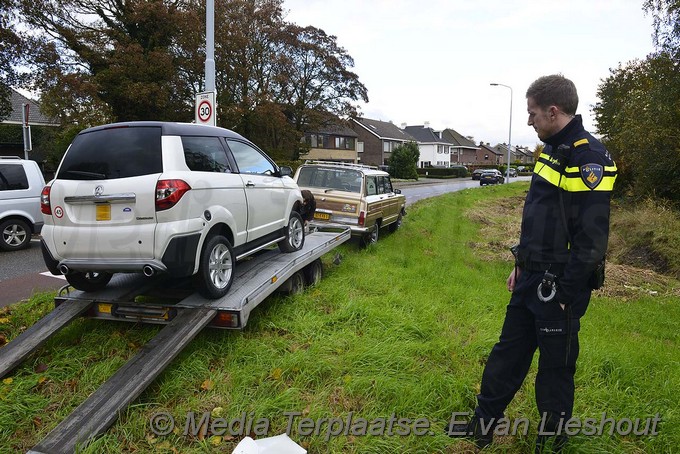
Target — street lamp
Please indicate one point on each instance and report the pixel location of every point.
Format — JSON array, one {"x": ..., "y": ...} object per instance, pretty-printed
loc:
[{"x": 507, "y": 170}]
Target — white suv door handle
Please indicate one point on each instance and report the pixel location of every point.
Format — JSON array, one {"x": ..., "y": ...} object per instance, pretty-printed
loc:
[{"x": 250, "y": 184}]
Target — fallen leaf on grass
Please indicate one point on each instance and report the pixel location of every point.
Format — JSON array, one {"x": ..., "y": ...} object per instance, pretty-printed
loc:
[
  {"x": 207, "y": 385},
  {"x": 277, "y": 373}
]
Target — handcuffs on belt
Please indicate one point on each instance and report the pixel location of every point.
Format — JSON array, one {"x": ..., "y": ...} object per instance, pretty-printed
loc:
[{"x": 548, "y": 281}]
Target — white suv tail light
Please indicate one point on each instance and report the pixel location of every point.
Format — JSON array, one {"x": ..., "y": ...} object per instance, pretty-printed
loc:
[
  {"x": 45, "y": 206},
  {"x": 169, "y": 192}
]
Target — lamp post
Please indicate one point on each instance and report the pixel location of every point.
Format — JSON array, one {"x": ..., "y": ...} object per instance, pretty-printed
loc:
[{"x": 507, "y": 170}]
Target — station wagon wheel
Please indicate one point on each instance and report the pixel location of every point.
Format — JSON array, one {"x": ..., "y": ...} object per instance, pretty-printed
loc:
[
  {"x": 372, "y": 236},
  {"x": 396, "y": 224},
  {"x": 88, "y": 281},
  {"x": 216, "y": 268},
  {"x": 16, "y": 234},
  {"x": 294, "y": 234}
]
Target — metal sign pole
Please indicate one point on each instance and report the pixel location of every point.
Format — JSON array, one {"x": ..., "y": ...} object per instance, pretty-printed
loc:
[{"x": 28, "y": 146}]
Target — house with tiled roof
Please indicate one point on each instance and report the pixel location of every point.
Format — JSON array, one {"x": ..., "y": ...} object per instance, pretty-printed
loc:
[
  {"x": 331, "y": 143},
  {"x": 488, "y": 155},
  {"x": 377, "y": 139},
  {"x": 435, "y": 150},
  {"x": 11, "y": 129},
  {"x": 463, "y": 151}
]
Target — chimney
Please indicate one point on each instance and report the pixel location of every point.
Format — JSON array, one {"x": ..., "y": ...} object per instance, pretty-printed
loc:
[
  {"x": 403, "y": 125},
  {"x": 427, "y": 124}
]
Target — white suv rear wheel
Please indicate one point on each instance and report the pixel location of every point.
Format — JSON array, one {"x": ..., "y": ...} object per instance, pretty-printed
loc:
[{"x": 216, "y": 268}]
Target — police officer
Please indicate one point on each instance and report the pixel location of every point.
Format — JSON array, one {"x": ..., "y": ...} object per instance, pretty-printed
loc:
[{"x": 559, "y": 260}]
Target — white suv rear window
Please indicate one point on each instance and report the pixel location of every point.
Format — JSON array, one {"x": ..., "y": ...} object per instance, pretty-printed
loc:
[{"x": 118, "y": 152}]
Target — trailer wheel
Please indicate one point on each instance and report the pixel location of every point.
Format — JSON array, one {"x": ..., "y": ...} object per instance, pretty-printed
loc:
[
  {"x": 313, "y": 272},
  {"x": 296, "y": 284},
  {"x": 295, "y": 234},
  {"x": 216, "y": 268},
  {"x": 88, "y": 281}
]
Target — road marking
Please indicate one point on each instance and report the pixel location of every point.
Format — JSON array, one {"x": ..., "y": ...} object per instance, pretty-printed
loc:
[{"x": 48, "y": 274}]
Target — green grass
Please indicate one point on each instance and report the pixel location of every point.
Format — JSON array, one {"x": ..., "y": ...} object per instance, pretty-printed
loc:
[{"x": 403, "y": 327}]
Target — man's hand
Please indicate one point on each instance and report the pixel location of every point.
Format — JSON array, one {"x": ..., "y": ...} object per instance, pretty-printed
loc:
[{"x": 512, "y": 279}]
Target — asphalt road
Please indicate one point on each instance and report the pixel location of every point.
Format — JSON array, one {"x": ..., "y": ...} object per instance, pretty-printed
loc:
[{"x": 22, "y": 273}]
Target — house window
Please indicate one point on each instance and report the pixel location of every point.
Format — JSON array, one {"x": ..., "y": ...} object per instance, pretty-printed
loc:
[
  {"x": 317, "y": 140},
  {"x": 344, "y": 143},
  {"x": 486, "y": 156}
]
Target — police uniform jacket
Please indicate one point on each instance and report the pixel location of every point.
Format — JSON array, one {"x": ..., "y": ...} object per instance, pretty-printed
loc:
[{"x": 568, "y": 233}]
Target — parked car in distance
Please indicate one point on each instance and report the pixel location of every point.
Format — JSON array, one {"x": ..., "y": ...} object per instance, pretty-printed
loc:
[
  {"x": 492, "y": 176},
  {"x": 355, "y": 195},
  {"x": 21, "y": 182},
  {"x": 513, "y": 172},
  {"x": 155, "y": 197},
  {"x": 477, "y": 173}
]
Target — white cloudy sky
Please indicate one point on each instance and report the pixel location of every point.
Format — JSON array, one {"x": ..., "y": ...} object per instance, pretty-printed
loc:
[{"x": 433, "y": 60}]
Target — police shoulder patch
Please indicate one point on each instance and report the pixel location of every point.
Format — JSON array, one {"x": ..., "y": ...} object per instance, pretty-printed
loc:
[{"x": 591, "y": 174}]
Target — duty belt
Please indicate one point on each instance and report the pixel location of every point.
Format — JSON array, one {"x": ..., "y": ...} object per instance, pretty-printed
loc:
[{"x": 554, "y": 268}]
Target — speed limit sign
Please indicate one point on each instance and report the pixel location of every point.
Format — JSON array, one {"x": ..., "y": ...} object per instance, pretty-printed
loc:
[{"x": 205, "y": 108}]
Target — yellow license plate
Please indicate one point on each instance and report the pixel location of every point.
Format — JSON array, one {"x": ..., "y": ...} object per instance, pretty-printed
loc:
[
  {"x": 103, "y": 212},
  {"x": 324, "y": 216},
  {"x": 104, "y": 308}
]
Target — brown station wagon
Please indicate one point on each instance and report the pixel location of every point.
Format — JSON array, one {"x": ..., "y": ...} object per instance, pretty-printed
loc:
[{"x": 359, "y": 196}]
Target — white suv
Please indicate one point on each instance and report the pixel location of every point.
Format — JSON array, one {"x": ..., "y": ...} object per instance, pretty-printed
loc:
[
  {"x": 20, "y": 184},
  {"x": 155, "y": 197}
]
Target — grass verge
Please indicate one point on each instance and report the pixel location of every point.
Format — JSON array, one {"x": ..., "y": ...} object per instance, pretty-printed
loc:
[{"x": 402, "y": 328}]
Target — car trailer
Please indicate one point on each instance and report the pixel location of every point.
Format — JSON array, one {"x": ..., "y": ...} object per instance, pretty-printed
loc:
[{"x": 185, "y": 313}]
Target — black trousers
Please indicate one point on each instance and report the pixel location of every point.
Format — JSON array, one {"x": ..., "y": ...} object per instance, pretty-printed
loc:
[{"x": 531, "y": 324}]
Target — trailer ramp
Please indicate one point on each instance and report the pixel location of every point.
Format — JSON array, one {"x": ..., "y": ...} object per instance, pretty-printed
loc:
[
  {"x": 102, "y": 408},
  {"x": 20, "y": 347}
]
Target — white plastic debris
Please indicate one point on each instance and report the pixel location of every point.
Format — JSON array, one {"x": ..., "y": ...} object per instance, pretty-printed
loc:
[{"x": 279, "y": 444}]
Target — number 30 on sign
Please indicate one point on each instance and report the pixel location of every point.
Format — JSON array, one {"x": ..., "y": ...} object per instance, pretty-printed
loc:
[{"x": 205, "y": 108}]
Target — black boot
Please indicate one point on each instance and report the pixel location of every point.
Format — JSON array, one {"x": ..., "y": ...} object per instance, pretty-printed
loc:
[{"x": 472, "y": 430}]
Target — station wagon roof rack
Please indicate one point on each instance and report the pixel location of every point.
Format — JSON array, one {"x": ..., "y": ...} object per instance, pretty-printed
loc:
[
  {"x": 342, "y": 164},
  {"x": 10, "y": 157}
]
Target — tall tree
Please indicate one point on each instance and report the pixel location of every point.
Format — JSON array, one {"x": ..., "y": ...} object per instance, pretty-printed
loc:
[
  {"x": 317, "y": 82},
  {"x": 116, "y": 53},
  {"x": 11, "y": 51},
  {"x": 639, "y": 111}
]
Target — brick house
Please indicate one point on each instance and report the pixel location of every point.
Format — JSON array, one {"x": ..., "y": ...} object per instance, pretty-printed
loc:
[
  {"x": 332, "y": 143},
  {"x": 377, "y": 140},
  {"x": 463, "y": 151}
]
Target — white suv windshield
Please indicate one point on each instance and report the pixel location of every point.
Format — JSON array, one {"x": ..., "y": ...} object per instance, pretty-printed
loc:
[{"x": 118, "y": 152}]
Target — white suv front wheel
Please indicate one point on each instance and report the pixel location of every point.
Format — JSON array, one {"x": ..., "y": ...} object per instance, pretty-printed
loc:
[
  {"x": 216, "y": 268},
  {"x": 295, "y": 234}
]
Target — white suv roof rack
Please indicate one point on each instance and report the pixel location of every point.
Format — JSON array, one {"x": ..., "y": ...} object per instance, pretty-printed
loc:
[
  {"x": 343, "y": 164},
  {"x": 10, "y": 157}
]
